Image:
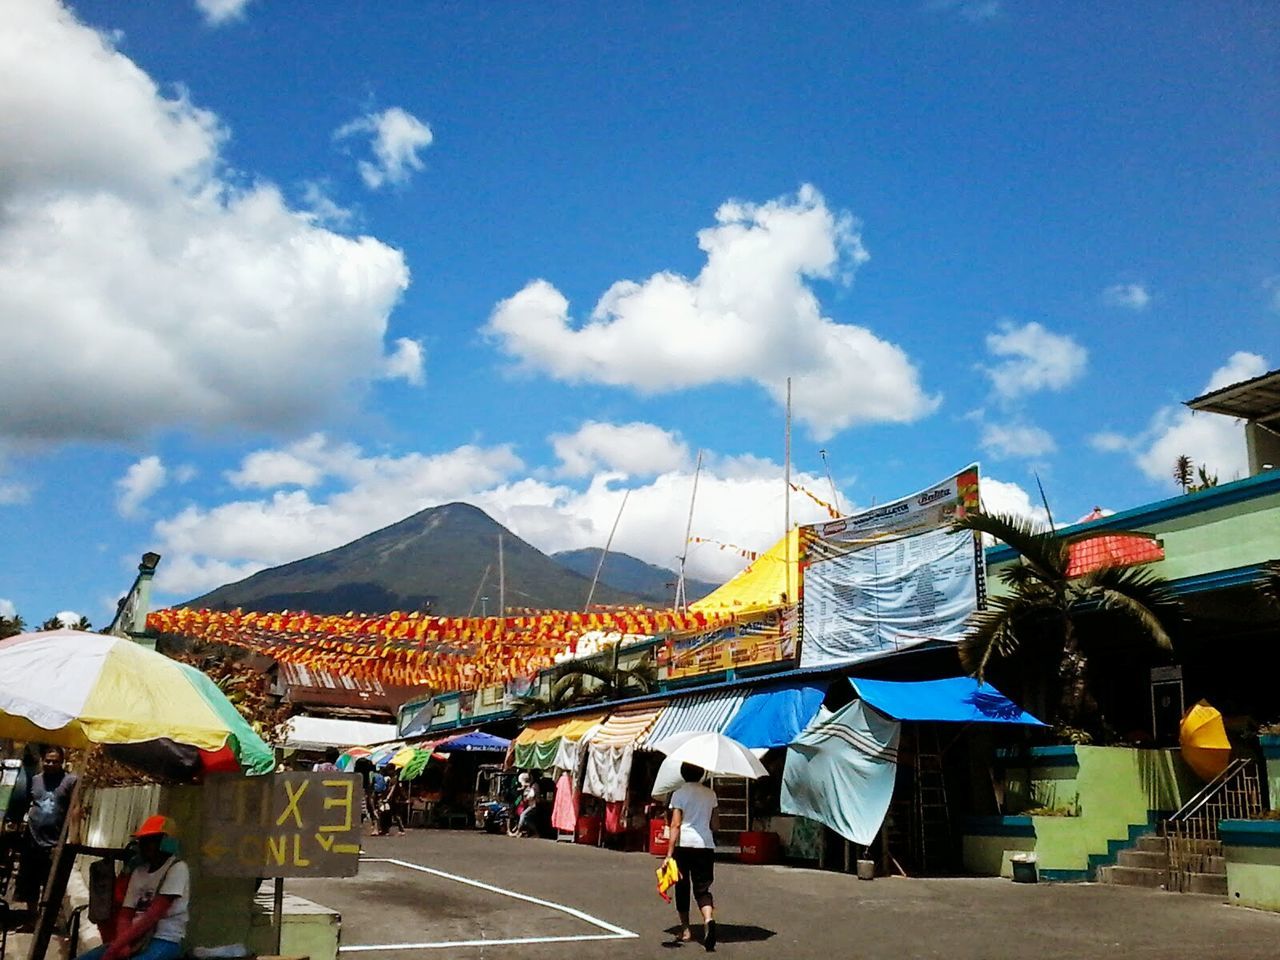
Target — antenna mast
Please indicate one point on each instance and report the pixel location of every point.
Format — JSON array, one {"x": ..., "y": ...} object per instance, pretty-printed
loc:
[
  {"x": 682, "y": 600},
  {"x": 605, "y": 552}
]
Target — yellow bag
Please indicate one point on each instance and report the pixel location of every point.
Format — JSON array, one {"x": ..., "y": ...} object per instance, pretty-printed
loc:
[{"x": 668, "y": 874}]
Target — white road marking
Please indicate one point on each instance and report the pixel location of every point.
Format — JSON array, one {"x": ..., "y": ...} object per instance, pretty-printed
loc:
[{"x": 614, "y": 932}]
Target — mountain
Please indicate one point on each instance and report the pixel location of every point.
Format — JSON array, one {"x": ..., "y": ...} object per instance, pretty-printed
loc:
[
  {"x": 623, "y": 572},
  {"x": 433, "y": 560}
]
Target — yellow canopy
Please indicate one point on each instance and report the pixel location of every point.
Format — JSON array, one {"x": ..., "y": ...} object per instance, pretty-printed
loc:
[
  {"x": 544, "y": 731},
  {"x": 762, "y": 584},
  {"x": 1205, "y": 746}
]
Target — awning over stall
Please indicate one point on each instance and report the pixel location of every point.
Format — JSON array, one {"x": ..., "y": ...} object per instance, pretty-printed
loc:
[
  {"x": 625, "y": 727},
  {"x": 538, "y": 743},
  {"x": 775, "y": 717},
  {"x": 954, "y": 700},
  {"x": 694, "y": 712}
]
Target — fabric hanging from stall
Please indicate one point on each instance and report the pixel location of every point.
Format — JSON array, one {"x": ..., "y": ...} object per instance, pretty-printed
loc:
[
  {"x": 775, "y": 717},
  {"x": 608, "y": 772},
  {"x": 538, "y": 744},
  {"x": 564, "y": 812},
  {"x": 614, "y": 822},
  {"x": 536, "y": 756},
  {"x": 610, "y": 751},
  {"x": 841, "y": 771}
]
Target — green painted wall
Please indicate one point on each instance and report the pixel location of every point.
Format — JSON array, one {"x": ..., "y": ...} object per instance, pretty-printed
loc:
[
  {"x": 1271, "y": 753},
  {"x": 1216, "y": 538},
  {"x": 1253, "y": 871},
  {"x": 1114, "y": 790}
]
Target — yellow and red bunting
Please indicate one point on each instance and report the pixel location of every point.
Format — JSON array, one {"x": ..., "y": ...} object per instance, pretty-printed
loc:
[{"x": 448, "y": 653}]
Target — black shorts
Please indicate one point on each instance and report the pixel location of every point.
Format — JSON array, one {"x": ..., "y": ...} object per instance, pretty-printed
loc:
[{"x": 697, "y": 870}]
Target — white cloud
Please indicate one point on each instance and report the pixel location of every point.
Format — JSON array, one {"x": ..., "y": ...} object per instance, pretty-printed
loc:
[
  {"x": 406, "y": 362},
  {"x": 750, "y": 314},
  {"x": 1034, "y": 359},
  {"x": 1108, "y": 441},
  {"x": 975, "y": 11},
  {"x": 1007, "y": 441},
  {"x": 139, "y": 482},
  {"x": 68, "y": 618},
  {"x": 1000, "y": 496},
  {"x": 635, "y": 449},
  {"x": 397, "y": 137},
  {"x": 740, "y": 500},
  {"x": 7, "y": 609},
  {"x": 218, "y": 12},
  {"x": 203, "y": 545},
  {"x": 13, "y": 493},
  {"x": 322, "y": 208},
  {"x": 1211, "y": 440},
  {"x": 155, "y": 292},
  {"x": 185, "y": 473},
  {"x": 1128, "y": 296}
]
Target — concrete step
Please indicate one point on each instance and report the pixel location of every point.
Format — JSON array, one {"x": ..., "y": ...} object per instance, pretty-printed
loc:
[
  {"x": 1216, "y": 865},
  {"x": 1211, "y": 883},
  {"x": 1134, "y": 877},
  {"x": 1150, "y": 843},
  {"x": 1143, "y": 858}
]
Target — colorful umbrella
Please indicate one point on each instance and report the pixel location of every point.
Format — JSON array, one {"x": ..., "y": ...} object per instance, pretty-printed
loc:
[
  {"x": 413, "y": 769},
  {"x": 77, "y": 689},
  {"x": 1205, "y": 746},
  {"x": 351, "y": 755},
  {"x": 382, "y": 755}
]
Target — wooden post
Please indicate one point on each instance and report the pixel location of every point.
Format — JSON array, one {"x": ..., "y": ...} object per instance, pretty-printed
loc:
[{"x": 277, "y": 919}]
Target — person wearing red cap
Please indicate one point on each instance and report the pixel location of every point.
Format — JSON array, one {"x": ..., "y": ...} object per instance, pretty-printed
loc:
[{"x": 153, "y": 920}]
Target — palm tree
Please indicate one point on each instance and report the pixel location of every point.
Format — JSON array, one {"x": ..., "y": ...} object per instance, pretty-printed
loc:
[
  {"x": 11, "y": 626},
  {"x": 1047, "y": 608},
  {"x": 569, "y": 684},
  {"x": 53, "y": 623}
]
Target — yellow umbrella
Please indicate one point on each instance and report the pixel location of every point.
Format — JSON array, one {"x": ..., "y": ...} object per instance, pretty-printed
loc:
[
  {"x": 1204, "y": 741},
  {"x": 403, "y": 756}
]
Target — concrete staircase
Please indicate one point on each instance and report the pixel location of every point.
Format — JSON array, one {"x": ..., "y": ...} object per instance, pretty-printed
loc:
[{"x": 1146, "y": 864}]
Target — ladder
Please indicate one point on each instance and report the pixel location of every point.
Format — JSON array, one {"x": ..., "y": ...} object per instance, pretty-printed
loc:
[{"x": 931, "y": 823}]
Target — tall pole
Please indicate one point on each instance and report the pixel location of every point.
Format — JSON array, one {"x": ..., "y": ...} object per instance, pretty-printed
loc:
[
  {"x": 605, "y": 552},
  {"x": 786, "y": 522},
  {"x": 682, "y": 600},
  {"x": 502, "y": 581},
  {"x": 479, "y": 588},
  {"x": 835, "y": 497}
]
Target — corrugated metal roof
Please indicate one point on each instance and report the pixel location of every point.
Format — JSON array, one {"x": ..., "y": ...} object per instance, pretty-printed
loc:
[{"x": 699, "y": 712}]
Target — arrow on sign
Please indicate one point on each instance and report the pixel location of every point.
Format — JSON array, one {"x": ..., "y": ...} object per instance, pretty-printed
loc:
[
  {"x": 326, "y": 840},
  {"x": 213, "y": 849}
]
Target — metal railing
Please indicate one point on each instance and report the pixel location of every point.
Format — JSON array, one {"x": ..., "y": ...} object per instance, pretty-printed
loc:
[{"x": 1192, "y": 832}]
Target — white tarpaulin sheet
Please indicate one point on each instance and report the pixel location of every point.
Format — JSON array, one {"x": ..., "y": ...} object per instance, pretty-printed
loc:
[
  {"x": 892, "y": 577},
  {"x": 841, "y": 770},
  {"x": 317, "y": 733}
]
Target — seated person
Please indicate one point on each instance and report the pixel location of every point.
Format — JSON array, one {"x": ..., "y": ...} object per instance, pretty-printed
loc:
[{"x": 153, "y": 920}]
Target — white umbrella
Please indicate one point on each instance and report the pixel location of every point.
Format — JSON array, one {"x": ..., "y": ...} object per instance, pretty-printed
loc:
[{"x": 714, "y": 752}]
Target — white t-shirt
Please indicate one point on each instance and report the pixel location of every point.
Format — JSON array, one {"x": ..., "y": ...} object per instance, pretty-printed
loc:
[
  {"x": 176, "y": 883},
  {"x": 695, "y": 803}
]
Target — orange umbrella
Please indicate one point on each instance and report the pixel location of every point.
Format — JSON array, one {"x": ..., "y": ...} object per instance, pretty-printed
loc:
[{"x": 1204, "y": 741}]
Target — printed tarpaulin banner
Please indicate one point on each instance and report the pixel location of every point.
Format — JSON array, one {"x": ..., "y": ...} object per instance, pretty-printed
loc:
[
  {"x": 892, "y": 577},
  {"x": 841, "y": 771}
]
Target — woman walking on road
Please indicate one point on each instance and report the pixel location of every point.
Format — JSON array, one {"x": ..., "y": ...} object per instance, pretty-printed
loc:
[{"x": 693, "y": 807}]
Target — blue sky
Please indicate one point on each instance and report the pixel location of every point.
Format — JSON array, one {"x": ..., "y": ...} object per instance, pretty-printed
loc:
[{"x": 273, "y": 275}]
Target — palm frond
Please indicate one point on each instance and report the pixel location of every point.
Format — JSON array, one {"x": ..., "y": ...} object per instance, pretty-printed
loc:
[
  {"x": 1139, "y": 595},
  {"x": 1037, "y": 544},
  {"x": 993, "y": 632}
]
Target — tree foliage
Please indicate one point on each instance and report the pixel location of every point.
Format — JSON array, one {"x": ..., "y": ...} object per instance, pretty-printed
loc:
[{"x": 1045, "y": 608}]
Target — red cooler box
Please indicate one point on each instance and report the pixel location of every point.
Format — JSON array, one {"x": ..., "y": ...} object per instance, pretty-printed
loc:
[
  {"x": 588, "y": 831},
  {"x": 758, "y": 847},
  {"x": 659, "y": 837}
]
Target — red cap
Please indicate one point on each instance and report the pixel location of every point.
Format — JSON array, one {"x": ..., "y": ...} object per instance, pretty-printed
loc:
[{"x": 156, "y": 825}]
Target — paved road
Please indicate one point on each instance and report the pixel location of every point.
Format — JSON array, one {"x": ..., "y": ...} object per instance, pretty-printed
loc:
[{"x": 470, "y": 895}]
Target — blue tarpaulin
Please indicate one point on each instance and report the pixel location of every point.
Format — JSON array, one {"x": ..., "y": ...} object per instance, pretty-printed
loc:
[
  {"x": 773, "y": 718},
  {"x": 474, "y": 742},
  {"x": 954, "y": 700}
]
